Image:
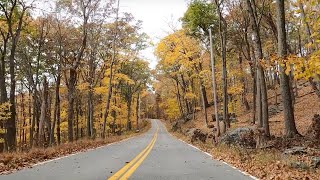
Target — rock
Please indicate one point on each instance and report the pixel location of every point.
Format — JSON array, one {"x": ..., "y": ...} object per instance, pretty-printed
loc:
[
  {"x": 210, "y": 126},
  {"x": 313, "y": 131},
  {"x": 210, "y": 135},
  {"x": 295, "y": 151},
  {"x": 214, "y": 117},
  {"x": 299, "y": 165},
  {"x": 187, "y": 118},
  {"x": 315, "y": 162},
  {"x": 196, "y": 134},
  {"x": 281, "y": 108},
  {"x": 189, "y": 132},
  {"x": 243, "y": 137},
  {"x": 177, "y": 125},
  {"x": 273, "y": 110},
  {"x": 232, "y": 117}
]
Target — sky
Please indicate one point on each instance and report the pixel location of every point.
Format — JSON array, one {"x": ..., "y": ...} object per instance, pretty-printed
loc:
[{"x": 158, "y": 17}]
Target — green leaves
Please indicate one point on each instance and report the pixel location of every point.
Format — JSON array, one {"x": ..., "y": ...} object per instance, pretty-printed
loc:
[{"x": 199, "y": 17}]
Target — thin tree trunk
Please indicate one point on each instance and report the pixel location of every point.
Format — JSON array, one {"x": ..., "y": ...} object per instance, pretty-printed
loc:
[
  {"x": 129, "y": 126},
  {"x": 138, "y": 112},
  {"x": 90, "y": 114},
  {"x": 204, "y": 104},
  {"x": 223, "y": 39},
  {"x": 111, "y": 73}
]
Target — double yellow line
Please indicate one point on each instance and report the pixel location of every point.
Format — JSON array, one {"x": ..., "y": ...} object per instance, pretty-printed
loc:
[{"x": 128, "y": 170}]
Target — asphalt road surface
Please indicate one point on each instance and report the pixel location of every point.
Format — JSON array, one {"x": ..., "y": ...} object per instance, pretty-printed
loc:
[{"x": 153, "y": 155}]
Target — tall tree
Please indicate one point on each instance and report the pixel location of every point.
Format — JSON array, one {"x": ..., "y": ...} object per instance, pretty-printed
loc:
[
  {"x": 14, "y": 14},
  {"x": 288, "y": 109},
  {"x": 262, "y": 100}
]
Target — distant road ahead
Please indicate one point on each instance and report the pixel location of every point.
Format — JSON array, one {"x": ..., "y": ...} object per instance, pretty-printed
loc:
[{"x": 154, "y": 155}]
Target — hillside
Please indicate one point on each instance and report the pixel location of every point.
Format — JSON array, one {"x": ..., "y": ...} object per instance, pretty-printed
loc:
[{"x": 260, "y": 162}]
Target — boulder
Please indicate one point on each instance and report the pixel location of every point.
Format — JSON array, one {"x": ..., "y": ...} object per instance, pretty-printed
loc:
[
  {"x": 214, "y": 117},
  {"x": 177, "y": 125},
  {"x": 313, "y": 131},
  {"x": 315, "y": 162},
  {"x": 196, "y": 135},
  {"x": 295, "y": 151},
  {"x": 210, "y": 126},
  {"x": 199, "y": 135},
  {"x": 232, "y": 117},
  {"x": 243, "y": 137},
  {"x": 273, "y": 110},
  {"x": 299, "y": 165},
  {"x": 189, "y": 132}
]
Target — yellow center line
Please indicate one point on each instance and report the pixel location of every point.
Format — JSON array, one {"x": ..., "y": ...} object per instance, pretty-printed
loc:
[{"x": 128, "y": 169}]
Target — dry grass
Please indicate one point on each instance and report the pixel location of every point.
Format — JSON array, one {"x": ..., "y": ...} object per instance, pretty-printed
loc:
[{"x": 10, "y": 162}]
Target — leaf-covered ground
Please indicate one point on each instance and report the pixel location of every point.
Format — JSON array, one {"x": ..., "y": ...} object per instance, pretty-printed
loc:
[{"x": 269, "y": 163}]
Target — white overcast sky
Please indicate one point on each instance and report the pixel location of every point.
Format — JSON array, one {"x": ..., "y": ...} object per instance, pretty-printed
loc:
[{"x": 157, "y": 16}]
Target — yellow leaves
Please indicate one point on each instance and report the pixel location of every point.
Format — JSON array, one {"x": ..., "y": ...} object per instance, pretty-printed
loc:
[
  {"x": 178, "y": 49},
  {"x": 190, "y": 96},
  {"x": 235, "y": 90},
  {"x": 171, "y": 108},
  {"x": 304, "y": 68},
  {"x": 4, "y": 111},
  {"x": 101, "y": 90},
  {"x": 124, "y": 78},
  {"x": 83, "y": 86}
]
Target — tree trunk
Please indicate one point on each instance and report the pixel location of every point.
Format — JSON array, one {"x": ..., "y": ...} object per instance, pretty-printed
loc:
[
  {"x": 43, "y": 116},
  {"x": 90, "y": 114},
  {"x": 113, "y": 58},
  {"x": 129, "y": 125},
  {"x": 223, "y": 39},
  {"x": 290, "y": 126},
  {"x": 71, "y": 98},
  {"x": 138, "y": 112},
  {"x": 243, "y": 81},
  {"x": 262, "y": 99},
  {"x": 3, "y": 90},
  {"x": 204, "y": 104},
  {"x": 78, "y": 107},
  {"x": 214, "y": 88}
]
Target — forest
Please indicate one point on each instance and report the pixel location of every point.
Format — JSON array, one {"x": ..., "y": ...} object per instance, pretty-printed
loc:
[
  {"x": 249, "y": 70},
  {"x": 254, "y": 50},
  {"x": 77, "y": 72},
  {"x": 71, "y": 74}
]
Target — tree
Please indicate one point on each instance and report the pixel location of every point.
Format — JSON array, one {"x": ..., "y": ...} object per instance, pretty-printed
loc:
[
  {"x": 262, "y": 101},
  {"x": 290, "y": 127},
  {"x": 136, "y": 76},
  {"x": 14, "y": 16}
]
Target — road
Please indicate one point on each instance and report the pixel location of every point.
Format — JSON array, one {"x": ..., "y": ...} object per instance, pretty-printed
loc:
[{"x": 153, "y": 155}]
